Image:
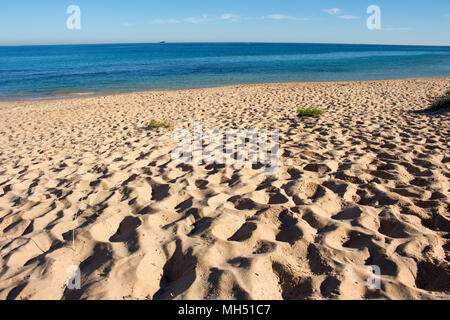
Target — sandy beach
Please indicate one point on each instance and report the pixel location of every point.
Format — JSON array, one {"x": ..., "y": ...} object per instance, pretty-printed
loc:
[{"x": 84, "y": 183}]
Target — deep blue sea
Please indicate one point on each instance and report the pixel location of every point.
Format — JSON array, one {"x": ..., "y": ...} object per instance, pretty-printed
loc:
[{"x": 30, "y": 72}]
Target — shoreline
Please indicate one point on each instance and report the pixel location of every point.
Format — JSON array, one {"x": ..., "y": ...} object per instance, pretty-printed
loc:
[{"x": 81, "y": 95}]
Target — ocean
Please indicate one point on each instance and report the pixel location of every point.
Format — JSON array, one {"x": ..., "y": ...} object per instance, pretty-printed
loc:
[{"x": 39, "y": 72}]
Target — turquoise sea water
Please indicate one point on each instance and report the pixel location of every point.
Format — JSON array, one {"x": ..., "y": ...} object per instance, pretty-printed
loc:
[{"x": 46, "y": 71}]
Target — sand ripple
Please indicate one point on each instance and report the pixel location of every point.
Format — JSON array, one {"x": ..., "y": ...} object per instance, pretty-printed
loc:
[{"x": 83, "y": 183}]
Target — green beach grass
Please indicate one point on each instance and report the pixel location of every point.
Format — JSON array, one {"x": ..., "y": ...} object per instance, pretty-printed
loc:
[
  {"x": 441, "y": 103},
  {"x": 155, "y": 124},
  {"x": 310, "y": 112}
]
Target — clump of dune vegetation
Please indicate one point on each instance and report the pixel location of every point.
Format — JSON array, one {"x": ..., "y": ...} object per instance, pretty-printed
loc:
[
  {"x": 441, "y": 103},
  {"x": 310, "y": 112},
  {"x": 154, "y": 124}
]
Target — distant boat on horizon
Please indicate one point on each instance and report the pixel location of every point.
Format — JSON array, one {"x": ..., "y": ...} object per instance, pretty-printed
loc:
[{"x": 162, "y": 42}]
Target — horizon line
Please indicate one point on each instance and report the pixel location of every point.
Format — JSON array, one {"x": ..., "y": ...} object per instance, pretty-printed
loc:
[{"x": 229, "y": 42}]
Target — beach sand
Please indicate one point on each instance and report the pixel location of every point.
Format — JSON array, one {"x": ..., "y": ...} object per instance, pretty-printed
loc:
[{"x": 84, "y": 183}]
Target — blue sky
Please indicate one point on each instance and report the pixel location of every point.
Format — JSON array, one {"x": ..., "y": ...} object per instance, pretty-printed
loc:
[{"x": 117, "y": 21}]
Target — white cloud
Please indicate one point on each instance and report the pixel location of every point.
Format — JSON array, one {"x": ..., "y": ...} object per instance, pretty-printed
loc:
[
  {"x": 336, "y": 11},
  {"x": 225, "y": 17},
  {"x": 195, "y": 20},
  {"x": 395, "y": 29},
  {"x": 348, "y": 17},
  {"x": 278, "y": 17},
  {"x": 332, "y": 11},
  {"x": 283, "y": 17},
  {"x": 230, "y": 16},
  {"x": 161, "y": 21},
  {"x": 128, "y": 24}
]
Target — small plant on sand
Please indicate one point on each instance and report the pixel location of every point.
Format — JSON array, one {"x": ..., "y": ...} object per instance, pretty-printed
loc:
[
  {"x": 154, "y": 124},
  {"x": 441, "y": 103},
  {"x": 310, "y": 112}
]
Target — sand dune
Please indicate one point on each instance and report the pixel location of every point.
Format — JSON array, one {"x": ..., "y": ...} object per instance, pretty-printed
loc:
[{"x": 83, "y": 183}]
